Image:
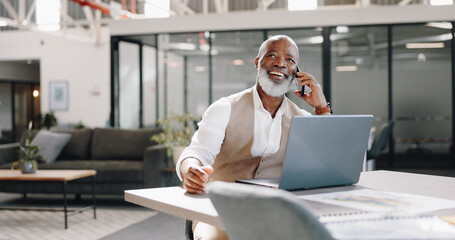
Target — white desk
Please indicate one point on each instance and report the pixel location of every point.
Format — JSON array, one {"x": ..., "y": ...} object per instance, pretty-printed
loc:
[{"x": 174, "y": 200}]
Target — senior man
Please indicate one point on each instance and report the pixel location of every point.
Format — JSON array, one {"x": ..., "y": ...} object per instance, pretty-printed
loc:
[{"x": 243, "y": 136}]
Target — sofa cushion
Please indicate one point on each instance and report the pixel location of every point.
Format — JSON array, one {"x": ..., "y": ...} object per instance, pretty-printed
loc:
[
  {"x": 78, "y": 147},
  {"x": 119, "y": 144},
  {"x": 106, "y": 171},
  {"x": 50, "y": 144}
]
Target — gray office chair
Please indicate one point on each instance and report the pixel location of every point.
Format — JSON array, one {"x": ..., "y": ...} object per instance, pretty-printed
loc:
[
  {"x": 253, "y": 212},
  {"x": 381, "y": 142}
]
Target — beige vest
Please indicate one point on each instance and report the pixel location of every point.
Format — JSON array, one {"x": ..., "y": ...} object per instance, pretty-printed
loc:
[{"x": 235, "y": 160}]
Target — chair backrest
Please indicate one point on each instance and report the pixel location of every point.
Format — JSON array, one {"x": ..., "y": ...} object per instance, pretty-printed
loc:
[
  {"x": 371, "y": 138},
  {"x": 381, "y": 142},
  {"x": 252, "y": 212}
]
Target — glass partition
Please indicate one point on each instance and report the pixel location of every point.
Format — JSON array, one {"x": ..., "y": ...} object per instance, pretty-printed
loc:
[
  {"x": 128, "y": 85},
  {"x": 359, "y": 71},
  {"x": 184, "y": 81},
  {"x": 175, "y": 82},
  {"x": 197, "y": 70},
  {"x": 185, "y": 72},
  {"x": 422, "y": 88},
  {"x": 6, "y": 118},
  {"x": 233, "y": 55},
  {"x": 149, "y": 86},
  {"x": 162, "y": 104}
]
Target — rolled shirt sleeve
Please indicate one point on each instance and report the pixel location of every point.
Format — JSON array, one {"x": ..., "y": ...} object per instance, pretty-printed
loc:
[{"x": 207, "y": 140}]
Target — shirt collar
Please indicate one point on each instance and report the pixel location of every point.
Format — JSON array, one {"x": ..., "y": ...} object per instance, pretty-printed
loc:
[{"x": 258, "y": 103}]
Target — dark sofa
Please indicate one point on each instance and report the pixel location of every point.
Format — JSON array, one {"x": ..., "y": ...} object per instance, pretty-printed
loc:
[{"x": 123, "y": 159}]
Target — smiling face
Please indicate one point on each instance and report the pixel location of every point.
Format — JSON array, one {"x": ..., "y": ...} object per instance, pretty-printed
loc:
[{"x": 277, "y": 65}]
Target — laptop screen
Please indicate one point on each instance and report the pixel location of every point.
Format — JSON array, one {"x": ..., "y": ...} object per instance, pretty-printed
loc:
[{"x": 325, "y": 151}]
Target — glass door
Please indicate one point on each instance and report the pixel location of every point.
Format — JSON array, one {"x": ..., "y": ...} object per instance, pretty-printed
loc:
[
  {"x": 6, "y": 113},
  {"x": 129, "y": 85},
  {"x": 23, "y": 106},
  {"x": 19, "y": 107}
]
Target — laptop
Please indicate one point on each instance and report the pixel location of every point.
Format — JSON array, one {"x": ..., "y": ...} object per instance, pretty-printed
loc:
[{"x": 322, "y": 151}]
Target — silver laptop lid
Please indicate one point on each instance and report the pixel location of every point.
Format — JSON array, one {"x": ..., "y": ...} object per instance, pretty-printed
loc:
[{"x": 325, "y": 151}]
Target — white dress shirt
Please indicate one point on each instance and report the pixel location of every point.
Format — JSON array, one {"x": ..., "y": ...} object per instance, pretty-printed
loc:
[{"x": 207, "y": 140}]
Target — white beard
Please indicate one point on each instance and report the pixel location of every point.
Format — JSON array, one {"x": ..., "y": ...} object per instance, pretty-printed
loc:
[{"x": 271, "y": 88}]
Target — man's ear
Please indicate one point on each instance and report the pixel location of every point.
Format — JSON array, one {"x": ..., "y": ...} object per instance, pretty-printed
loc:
[{"x": 256, "y": 62}]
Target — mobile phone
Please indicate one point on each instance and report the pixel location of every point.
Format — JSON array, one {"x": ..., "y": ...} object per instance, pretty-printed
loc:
[{"x": 300, "y": 88}]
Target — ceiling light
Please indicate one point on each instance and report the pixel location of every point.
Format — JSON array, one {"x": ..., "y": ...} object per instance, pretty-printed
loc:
[
  {"x": 315, "y": 39},
  {"x": 441, "y": 2},
  {"x": 238, "y": 62},
  {"x": 359, "y": 61},
  {"x": 199, "y": 69},
  {"x": 296, "y": 5},
  {"x": 204, "y": 47},
  {"x": 424, "y": 45},
  {"x": 3, "y": 23},
  {"x": 352, "y": 68},
  {"x": 421, "y": 57},
  {"x": 173, "y": 64},
  {"x": 183, "y": 46},
  {"x": 342, "y": 29},
  {"x": 443, "y": 25}
]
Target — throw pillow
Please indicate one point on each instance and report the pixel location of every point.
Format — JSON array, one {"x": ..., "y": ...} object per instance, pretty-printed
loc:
[{"x": 50, "y": 144}]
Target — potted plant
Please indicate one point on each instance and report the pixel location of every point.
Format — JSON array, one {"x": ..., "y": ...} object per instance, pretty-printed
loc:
[
  {"x": 48, "y": 120},
  {"x": 177, "y": 133},
  {"x": 79, "y": 126},
  {"x": 28, "y": 156}
]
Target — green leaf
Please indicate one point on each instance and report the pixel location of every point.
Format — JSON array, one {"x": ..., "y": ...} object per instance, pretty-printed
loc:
[{"x": 177, "y": 131}]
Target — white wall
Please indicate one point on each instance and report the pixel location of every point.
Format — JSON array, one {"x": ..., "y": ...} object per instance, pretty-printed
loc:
[{"x": 84, "y": 65}]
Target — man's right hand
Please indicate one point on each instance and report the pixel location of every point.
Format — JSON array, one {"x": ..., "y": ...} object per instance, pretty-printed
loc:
[{"x": 194, "y": 175}]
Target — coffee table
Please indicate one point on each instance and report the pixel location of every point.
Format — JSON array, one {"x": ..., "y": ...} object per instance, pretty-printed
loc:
[{"x": 63, "y": 176}]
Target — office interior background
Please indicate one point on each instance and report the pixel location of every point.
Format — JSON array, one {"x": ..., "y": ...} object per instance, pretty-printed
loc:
[{"x": 392, "y": 58}]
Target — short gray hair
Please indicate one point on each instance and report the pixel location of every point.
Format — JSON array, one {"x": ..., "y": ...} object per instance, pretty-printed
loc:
[{"x": 266, "y": 43}]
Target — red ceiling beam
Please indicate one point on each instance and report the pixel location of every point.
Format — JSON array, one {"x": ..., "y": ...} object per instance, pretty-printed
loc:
[{"x": 93, "y": 5}]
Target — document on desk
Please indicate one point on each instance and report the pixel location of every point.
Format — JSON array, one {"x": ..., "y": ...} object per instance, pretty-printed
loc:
[
  {"x": 378, "y": 201},
  {"x": 385, "y": 215},
  {"x": 411, "y": 227}
]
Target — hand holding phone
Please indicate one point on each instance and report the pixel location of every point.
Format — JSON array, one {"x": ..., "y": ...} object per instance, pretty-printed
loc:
[{"x": 300, "y": 88}]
